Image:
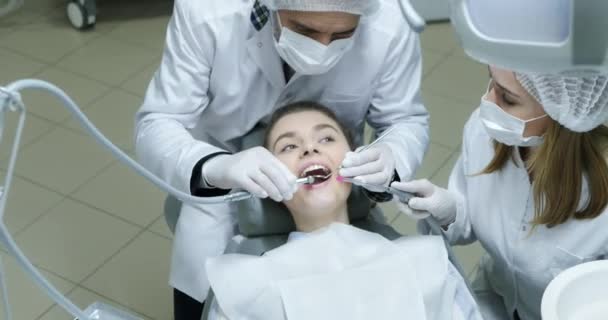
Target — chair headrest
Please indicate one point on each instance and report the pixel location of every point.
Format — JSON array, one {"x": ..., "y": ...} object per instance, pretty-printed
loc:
[{"x": 262, "y": 217}]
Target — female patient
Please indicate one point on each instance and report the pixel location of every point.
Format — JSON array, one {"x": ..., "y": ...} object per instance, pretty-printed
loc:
[{"x": 329, "y": 269}]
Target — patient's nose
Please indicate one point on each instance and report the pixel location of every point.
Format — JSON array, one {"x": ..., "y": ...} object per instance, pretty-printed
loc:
[{"x": 310, "y": 150}]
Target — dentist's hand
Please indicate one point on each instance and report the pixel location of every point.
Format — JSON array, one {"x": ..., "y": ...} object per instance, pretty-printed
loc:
[
  {"x": 375, "y": 165},
  {"x": 255, "y": 170},
  {"x": 432, "y": 199}
]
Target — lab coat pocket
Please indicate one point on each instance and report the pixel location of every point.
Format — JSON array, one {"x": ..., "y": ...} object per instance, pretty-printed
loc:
[
  {"x": 564, "y": 259},
  {"x": 350, "y": 109}
]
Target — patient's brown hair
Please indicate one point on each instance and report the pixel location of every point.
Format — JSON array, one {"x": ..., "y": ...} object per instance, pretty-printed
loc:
[{"x": 302, "y": 107}]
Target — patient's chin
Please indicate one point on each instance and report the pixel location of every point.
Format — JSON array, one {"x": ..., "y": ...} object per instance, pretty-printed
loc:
[{"x": 319, "y": 202}]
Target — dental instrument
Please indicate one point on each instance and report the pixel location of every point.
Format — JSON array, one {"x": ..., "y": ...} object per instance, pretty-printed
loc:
[
  {"x": 12, "y": 96},
  {"x": 10, "y": 100},
  {"x": 401, "y": 195},
  {"x": 244, "y": 195},
  {"x": 384, "y": 134}
]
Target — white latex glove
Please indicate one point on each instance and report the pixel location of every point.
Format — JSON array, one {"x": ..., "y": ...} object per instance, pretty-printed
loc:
[
  {"x": 255, "y": 170},
  {"x": 437, "y": 201},
  {"x": 375, "y": 165}
]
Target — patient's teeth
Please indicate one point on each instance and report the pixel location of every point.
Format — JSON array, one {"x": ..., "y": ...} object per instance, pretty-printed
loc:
[{"x": 314, "y": 167}]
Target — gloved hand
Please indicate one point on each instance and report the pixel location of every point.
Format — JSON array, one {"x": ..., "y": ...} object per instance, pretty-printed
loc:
[
  {"x": 256, "y": 170},
  {"x": 432, "y": 199},
  {"x": 375, "y": 165}
]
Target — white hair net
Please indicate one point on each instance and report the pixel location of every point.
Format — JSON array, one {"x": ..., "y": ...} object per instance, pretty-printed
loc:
[
  {"x": 359, "y": 7},
  {"x": 578, "y": 103}
]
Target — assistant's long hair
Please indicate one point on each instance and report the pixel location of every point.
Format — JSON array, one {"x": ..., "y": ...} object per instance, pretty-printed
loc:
[{"x": 557, "y": 169}]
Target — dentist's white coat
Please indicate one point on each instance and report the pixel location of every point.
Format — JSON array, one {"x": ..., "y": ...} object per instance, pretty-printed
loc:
[{"x": 219, "y": 77}]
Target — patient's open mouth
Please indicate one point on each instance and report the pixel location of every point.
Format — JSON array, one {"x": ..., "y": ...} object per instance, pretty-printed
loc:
[{"x": 319, "y": 172}]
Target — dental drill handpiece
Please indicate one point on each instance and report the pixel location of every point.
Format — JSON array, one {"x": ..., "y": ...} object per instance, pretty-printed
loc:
[
  {"x": 403, "y": 196},
  {"x": 244, "y": 195}
]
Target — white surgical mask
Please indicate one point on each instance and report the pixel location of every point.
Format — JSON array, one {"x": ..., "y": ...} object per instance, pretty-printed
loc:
[
  {"x": 308, "y": 56},
  {"x": 505, "y": 128}
]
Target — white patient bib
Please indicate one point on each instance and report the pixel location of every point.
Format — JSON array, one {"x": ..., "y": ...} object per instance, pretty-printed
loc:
[{"x": 339, "y": 272}]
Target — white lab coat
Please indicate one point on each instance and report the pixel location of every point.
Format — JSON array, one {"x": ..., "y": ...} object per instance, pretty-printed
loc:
[
  {"x": 219, "y": 77},
  {"x": 341, "y": 272},
  {"x": 497, "y": 209}
]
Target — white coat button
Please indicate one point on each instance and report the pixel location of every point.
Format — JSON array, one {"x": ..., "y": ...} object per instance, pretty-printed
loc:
[
  {"x": 259, "y": 44},
  {"x": 523, "y": 228}
]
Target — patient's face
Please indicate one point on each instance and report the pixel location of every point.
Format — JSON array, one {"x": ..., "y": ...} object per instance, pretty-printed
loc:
[{"x": 311, "y": 143}]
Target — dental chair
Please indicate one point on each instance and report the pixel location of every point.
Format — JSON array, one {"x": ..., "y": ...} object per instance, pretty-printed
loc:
[{"x": 264, "y": 225}]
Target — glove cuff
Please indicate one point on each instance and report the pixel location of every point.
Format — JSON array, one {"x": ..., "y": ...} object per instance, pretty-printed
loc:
[{"x": 199, "y": 186}]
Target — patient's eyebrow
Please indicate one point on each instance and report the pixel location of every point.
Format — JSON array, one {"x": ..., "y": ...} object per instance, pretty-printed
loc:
[
  {"x": 322, "y": 126},
  {"x": 288, "y": 134},
  {"x": 292, "y": 134}
]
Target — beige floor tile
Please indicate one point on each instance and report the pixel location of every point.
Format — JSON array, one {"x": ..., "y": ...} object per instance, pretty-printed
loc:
[
  {"x": 160, "y": 226},
  {"x": 390, "y": 211},
  {"x": 433, "y": 161},
  {"x": 405, "y": 225},
  {"x": 5, "y": 31},
  {"x": 57, "y": 18},
  {"x": 139, "y": 83},
  {"x": 82, "y": 90},
  {"x": 35, "y": 128},
  {"x": 442, "y": 177},
  {"x": 117, "y": 12},
  {"x": 430, "y": 60},
  {"x": 114, "y": 115},
  {"x": 468, "y": 256},
  {"x": 458, "y": 78},
  {"x": 26, "y": 299},
  {"x": 46, "y": 43},
  {"x": 448, "y": 117},
  {"x": 124, "y": 193},
  {"x": 142, "y": 267},
  {"x": 146, "y": 31},
  {"x": 109, "y": 60},
  {"x": 21, "y": 210},
  {"x": 19, "y": 18},
  {"x": 439, "y": 37},
  {"x": 73, "y": 240},
  {"x": 63, "y": 160},
  {"x": 83, "y": 298},
  {"x": 459, "y": 52},
  {"x": 15, "y": 67},
  {"x": 42, "y": 6}
]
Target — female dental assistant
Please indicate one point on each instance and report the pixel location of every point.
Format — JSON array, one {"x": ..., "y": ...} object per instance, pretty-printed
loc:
[
  {"x": 226, "y": 67},
  {"x": 531, "y": 185}
]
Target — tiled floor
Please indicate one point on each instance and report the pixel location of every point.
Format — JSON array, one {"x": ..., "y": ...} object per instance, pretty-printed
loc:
[{"x": 94, "y": 227}]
